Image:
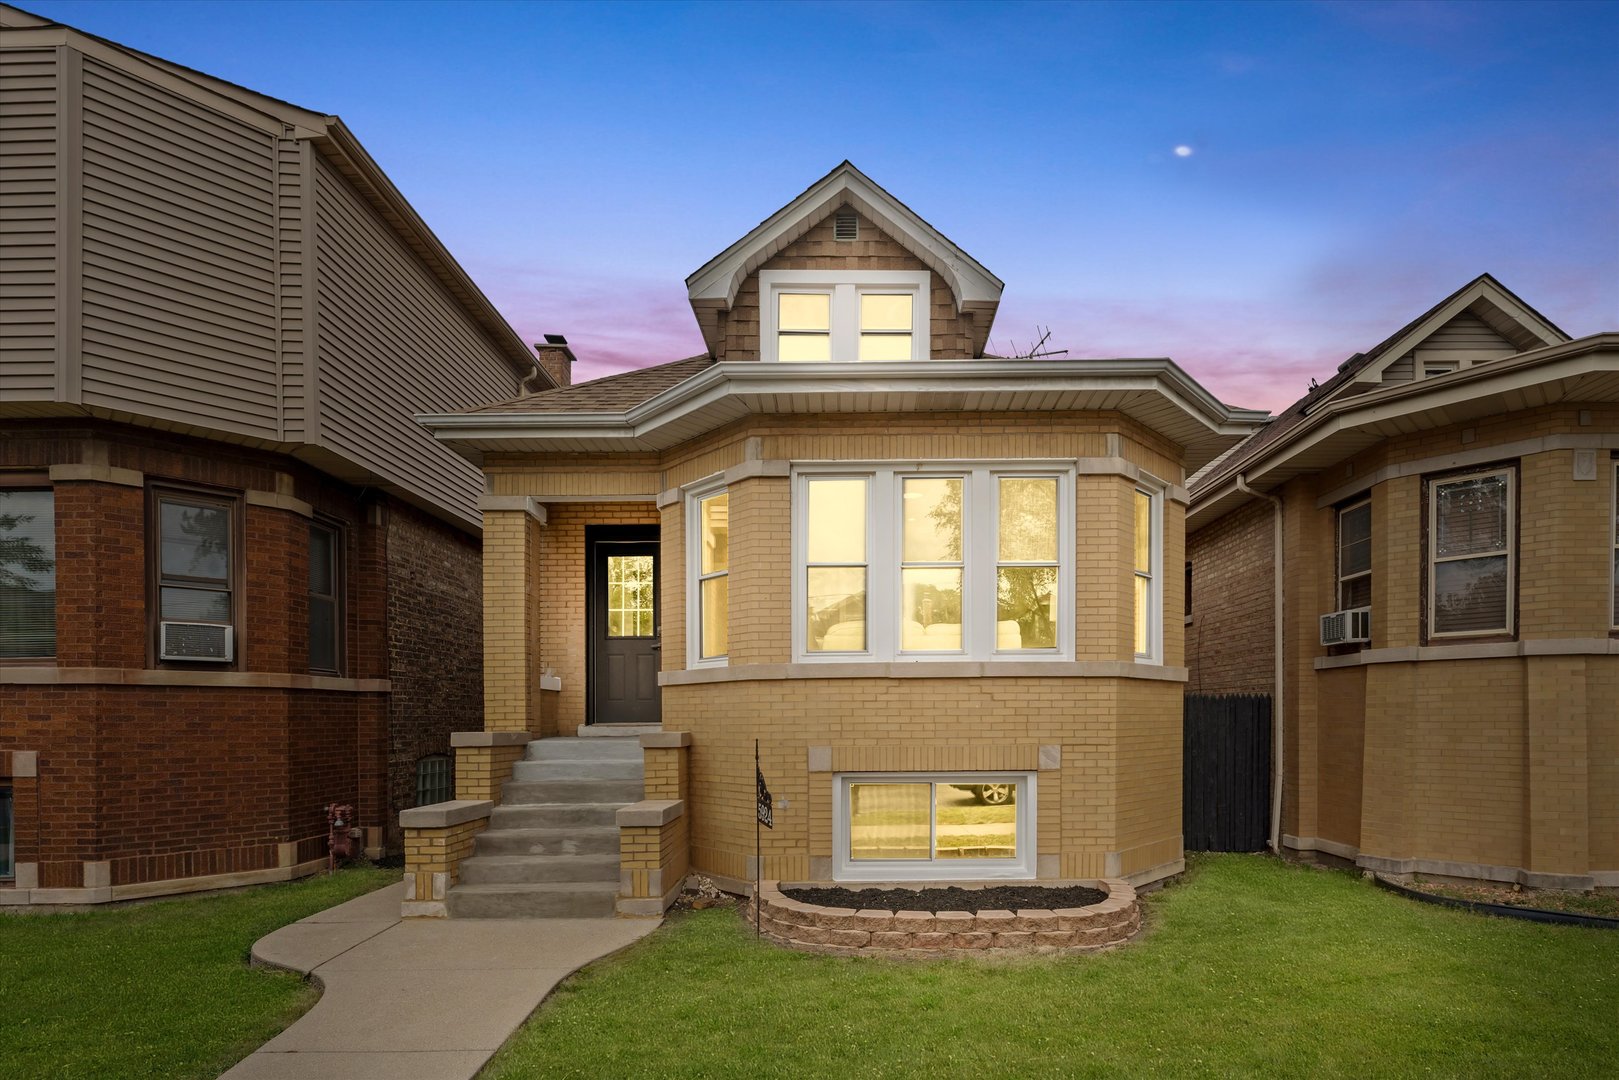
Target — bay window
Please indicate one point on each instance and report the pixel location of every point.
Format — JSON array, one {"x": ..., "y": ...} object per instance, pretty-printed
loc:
[
  {"x": 325, "y": 598},
  {"x": 871, "y": 316},
  {"x": 1148, "y": 619},
  {"x": 1471, "y": 571},
  {"x": 933, "y": 563}
]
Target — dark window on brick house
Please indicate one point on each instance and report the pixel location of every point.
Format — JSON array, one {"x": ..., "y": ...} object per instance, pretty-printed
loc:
[
  {"x": 8, "y": 864},
  {"x": 435, "y": 781},
  {"x": 1355, "y": 556},
  {"x": 325, "y": 598},
  {"x": 196, "y": 558},
  {"x": 27, "y": 573}
]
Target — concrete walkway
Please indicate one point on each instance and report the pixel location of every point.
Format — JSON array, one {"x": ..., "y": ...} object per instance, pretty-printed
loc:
[{"x": 418, "y": 999}]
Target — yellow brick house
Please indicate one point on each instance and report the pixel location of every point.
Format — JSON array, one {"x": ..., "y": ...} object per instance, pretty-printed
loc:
[
  {"x": 1436, "y": 526},
  {"x": 941, "y": 589}
]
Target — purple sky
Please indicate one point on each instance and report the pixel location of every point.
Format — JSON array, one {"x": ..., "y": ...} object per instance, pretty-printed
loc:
[{"x": 1349, "y": 163}]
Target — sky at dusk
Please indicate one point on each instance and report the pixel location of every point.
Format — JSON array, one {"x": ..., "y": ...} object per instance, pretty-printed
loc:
[{"x": 1341, "y": 166}]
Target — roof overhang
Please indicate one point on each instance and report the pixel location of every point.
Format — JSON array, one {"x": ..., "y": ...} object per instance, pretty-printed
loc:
[
  {"x": 1156, "y": 393},
  {"x": 1583, "y": 370},
  {"x": 717, "y": 282}
]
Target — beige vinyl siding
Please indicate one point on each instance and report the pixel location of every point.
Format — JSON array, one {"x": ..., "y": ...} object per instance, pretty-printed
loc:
[
  {"x": 1402, "y": 370},
  {"x": 179, "y": 259},
  {"x": 28, "y": 226},
  {"x": 1467, "y": 339},
  {"x": 392, "y": 344},
  {"x": 292, "y": 207}
]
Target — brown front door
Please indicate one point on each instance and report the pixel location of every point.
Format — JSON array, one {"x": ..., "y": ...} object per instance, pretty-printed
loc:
[{"x": 623, "y": 631}]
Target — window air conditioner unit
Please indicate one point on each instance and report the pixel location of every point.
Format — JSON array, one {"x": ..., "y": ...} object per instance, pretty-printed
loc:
[
  {"x": 1347, "y": 627},
  {"x": 211, "y": 643}
]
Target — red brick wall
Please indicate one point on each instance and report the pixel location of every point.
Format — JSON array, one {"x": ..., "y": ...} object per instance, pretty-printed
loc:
[
  {"x": 435, "y": 643},
  {"x": 172, "y": 781},
  {"x": 1230, "y": 644}
]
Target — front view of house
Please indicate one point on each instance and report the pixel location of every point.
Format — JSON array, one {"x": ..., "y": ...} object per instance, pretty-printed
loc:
[{"x": 931, "y": 584}]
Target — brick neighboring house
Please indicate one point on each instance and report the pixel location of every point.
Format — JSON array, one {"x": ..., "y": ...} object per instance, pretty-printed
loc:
[
  {"x": 1456, "y": 485},
  {"x": 918, "y": 575},
  {"x": 237, "y": 580}
]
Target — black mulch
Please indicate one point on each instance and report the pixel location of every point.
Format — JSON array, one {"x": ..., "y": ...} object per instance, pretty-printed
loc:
[{"x": 994, "y": 898}]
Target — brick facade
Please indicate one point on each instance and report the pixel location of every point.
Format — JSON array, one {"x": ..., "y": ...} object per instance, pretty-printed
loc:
[
  {"x": 1493, "y": 758},
  {"x": 1105, "y": 746},
  {"x": 151, "y": 774},
  {"x": 1231, "y": 638}
]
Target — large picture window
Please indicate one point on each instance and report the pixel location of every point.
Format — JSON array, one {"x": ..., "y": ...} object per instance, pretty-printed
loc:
[
  {"x": 27, "y": 573},
  {"x": 933, "y": 563},
  {"x": 1471, "y": 521},
  {"x": 843, "y": 317},
  {"x": 904, "y": 826},
  {"x": 1355, "y": 556}
]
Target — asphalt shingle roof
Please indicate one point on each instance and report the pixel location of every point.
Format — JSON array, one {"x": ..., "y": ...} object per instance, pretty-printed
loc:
[{"x": 609, "y": 394}]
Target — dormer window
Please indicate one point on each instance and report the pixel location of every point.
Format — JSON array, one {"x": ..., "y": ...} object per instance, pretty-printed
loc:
[{"x": 843, "y": 317}]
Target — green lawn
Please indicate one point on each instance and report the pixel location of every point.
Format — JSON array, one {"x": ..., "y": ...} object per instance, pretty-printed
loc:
[
  {"x": 154, "y": 990},
  {"x": 1250, "y": 967}
]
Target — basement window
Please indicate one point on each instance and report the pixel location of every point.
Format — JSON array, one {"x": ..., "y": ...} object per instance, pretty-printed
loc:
[
  {"x": 435, "y": 780},
  {"x": 906, "y": 827}
]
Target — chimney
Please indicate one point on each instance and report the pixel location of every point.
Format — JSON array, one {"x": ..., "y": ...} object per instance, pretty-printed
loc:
[{"x": 556, "y": 358}]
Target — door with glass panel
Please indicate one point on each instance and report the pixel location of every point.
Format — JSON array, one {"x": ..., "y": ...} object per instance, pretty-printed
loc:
[{"x": 624, "y": 646}]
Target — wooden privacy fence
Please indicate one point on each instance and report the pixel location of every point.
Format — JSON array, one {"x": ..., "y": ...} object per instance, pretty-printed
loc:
[{"x": 1225, "y": 773}]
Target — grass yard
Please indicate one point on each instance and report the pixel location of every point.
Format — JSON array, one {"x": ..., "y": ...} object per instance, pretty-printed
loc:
[
  {"x": 1250, "y": 967},
  {"x": 154, "y": 990}
]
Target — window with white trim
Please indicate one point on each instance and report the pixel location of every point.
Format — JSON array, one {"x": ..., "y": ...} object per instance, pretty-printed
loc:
[
  {"x": 808, "y": 316},
  {"x": 937, "y": 562},
  {"x": 1148, "y": 599},
  {"x": 1355, "y": 555},
  {"x": 913, "y": 827},
  {"x": 1471, "y": 571},
  {"x": 708, "y": 575}
]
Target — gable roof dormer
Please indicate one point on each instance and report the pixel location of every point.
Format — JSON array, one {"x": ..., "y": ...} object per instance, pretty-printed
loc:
[
  {"x": 1481, "y": 321},
  {"x": 714, "y": 287}
]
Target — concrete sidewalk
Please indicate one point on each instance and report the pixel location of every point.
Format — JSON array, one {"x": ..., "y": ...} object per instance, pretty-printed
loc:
[{"x": 418, "y": 999}]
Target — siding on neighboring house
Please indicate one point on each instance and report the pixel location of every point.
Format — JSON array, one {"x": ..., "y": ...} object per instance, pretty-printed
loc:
[
  {"x": 179, "y": 258},
  {"x": 28, "y": 223},
  {"x": 392, "y": 344}
]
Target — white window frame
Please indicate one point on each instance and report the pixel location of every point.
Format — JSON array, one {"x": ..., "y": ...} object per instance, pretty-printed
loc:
[
  {"x": 1021, "y": 868},
  {"x": 1511, "y": 552},
  {"x": 846, "y": 288},
  {"x": 1154, "y": 489},
  {"x": 884, "y": 554},
  {"x": 1338, "y": 553},
  {"x": 694, "y": 494}
]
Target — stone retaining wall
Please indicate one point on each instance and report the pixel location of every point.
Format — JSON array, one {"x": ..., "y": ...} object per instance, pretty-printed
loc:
[{"x": 846, "y": 930}]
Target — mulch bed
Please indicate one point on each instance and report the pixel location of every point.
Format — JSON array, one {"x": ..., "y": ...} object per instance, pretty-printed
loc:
[
  {"x": 951, "y": 898},
  {"x": 1573, "y": 903}
]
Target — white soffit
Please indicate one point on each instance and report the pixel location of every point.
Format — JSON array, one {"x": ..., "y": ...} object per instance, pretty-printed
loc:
[
  {"x": 720, "y": 278},
  {"x": 1156, "y": 393}
]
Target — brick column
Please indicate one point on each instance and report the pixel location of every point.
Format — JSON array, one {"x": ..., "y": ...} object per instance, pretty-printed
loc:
[{"x": 511, "y": 661}]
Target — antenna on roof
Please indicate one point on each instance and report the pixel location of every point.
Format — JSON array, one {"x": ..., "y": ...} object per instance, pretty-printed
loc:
[{"x": 1038, "y": 350}]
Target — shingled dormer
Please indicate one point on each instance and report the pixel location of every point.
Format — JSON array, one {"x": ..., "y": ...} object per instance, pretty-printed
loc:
[{"x": 844, "y": 272}]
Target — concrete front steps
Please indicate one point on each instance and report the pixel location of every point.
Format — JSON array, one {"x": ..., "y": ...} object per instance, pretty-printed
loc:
[{"x": 551, "y": 848}]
